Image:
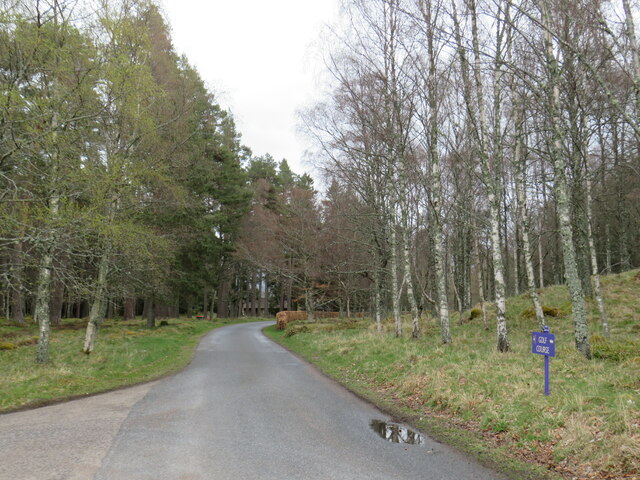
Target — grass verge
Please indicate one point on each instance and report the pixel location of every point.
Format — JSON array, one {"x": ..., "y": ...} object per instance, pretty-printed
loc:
[
  {"x": 126, "y": 353},
  {"x": 491, "y": 404}
]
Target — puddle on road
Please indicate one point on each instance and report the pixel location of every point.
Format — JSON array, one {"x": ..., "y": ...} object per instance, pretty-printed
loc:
[{"x": 396, "y": 433}]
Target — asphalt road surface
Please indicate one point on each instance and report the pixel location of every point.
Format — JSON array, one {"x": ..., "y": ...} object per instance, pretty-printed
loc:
[{"x": 244, "y": 409}]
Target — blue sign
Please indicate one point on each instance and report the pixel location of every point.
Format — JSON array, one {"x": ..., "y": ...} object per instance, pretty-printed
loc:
[{"x": 543, "y": 343}]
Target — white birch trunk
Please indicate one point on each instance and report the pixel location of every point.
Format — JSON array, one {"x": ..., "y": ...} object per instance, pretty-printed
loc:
[
  {"x": 516, "y": 267},
  {"x": 395, "y": 291},
  {"x": 436, "y": 180},
  {"x": 581, "y": 329},
  {"x": 498, "y": 267},
  {"x": 595, "y": 278},
  {"x": 635, "y": 54},
  {"x": 476, "y": 248},
  {"x": 607, "y": 233},
  {"x": 378, "y": 299},
  {"x": 540, "y": 257},
  {"x": 44, "y": 290},
  {"x": 438, "y": 260},
  {"x": 408, "y": 281},
  {"x": 493, "y": 192},
  {"x": 406, "y": 254},
  {"x": 441, "y": 283},
  {"x": 523, "y": 214},
  {"x": 394, "y": 148}
]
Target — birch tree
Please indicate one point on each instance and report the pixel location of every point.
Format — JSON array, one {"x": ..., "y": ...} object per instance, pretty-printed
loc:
[
  {"x": 430, "y": 17},
  {"x": 523, "y": 213},
  {"x": 126, "y": 89},
  {"x": 477, "y": 115},
  {"x": 52, "y": 91},
  {"x": 579, "y": 311}
]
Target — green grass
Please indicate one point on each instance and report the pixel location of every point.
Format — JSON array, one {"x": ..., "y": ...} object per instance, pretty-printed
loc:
[
  {"x": 126, "y": 353},
  {"x": 492, "y": 404}
]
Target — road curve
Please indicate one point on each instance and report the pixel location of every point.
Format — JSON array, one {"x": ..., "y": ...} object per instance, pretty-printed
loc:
[{"x": 248, "y": 409}]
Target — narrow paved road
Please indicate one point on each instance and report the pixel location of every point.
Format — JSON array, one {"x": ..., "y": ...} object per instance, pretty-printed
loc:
[
  {"x": 66, "y": 441},
  {"x": 248, "y": 409},
  {"x": 244, "y": 409}
]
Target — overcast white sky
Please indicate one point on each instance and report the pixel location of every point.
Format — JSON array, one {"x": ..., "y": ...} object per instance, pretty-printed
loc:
[{"x": 261, "y": 59}]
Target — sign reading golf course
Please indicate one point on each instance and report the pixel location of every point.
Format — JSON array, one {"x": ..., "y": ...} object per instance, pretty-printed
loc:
[{"x": 544, "y": 343}]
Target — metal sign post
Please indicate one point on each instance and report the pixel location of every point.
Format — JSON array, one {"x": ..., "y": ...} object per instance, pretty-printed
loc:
[
  {"x": 544, "y": 343},
  {"x": 546, "y": 375}
]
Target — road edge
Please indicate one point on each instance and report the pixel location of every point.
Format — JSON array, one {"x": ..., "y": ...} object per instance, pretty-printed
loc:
[{"x": 464, "y": 441}]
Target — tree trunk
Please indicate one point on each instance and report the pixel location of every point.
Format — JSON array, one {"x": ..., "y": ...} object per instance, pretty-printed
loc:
[
  {"x": 265, "y": 310},
  {"x": 441, "y": 281},
  {"x": 625, "y": 255},
  {"x": 129, "y": 308},
  {"x": 562, "y": 197},
  {"x": 42, "y": 308},
  {"x": 378, "y": 300},
  {"x": 253, "y": 310},
  {"x": 456, "y": 293},
  {"x": 481, "y": 290},
  {"x": 415, "y": 315},
  {"x": 395, "y": 291},
  {"x": 212, "y": 305},
  {"x": 205, "y": 301},
  {"x": 261, "y": 307},
  {"x": 4, "y": 304},
  {"x": 111, "y": 308},
  {"x": 433, "y": 130},
  {"x": 516, "y": 259},
  {"x": 635, "y": 54},
  {"x": 408, "y": 277},
  {"x": 17, "y": 270},
  {"x": 523, "y": 214},
  {"x": 308, "y": 303},
  {"x": 55, "y": 302},
  {"x": 540, "y": 257},
  {"x": 607, "y": 233},
  {"x": 99, "y": 305},
  {"x": 488, "y": 171},
  {"x": 223, "y": 299},
  {"x": 43, "y": 292},
  {"x": 493, "y": 197},
  {"x": 597, "y": 290},
  {"x": 466, "y": 277},
  {"x": 151, "y": 311},
  {"x": 69, "y": 306}
]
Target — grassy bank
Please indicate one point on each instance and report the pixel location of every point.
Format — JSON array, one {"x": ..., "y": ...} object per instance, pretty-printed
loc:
[
  {"x": 492, "y": 404},
  {"x": 126, "y": 353}
]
